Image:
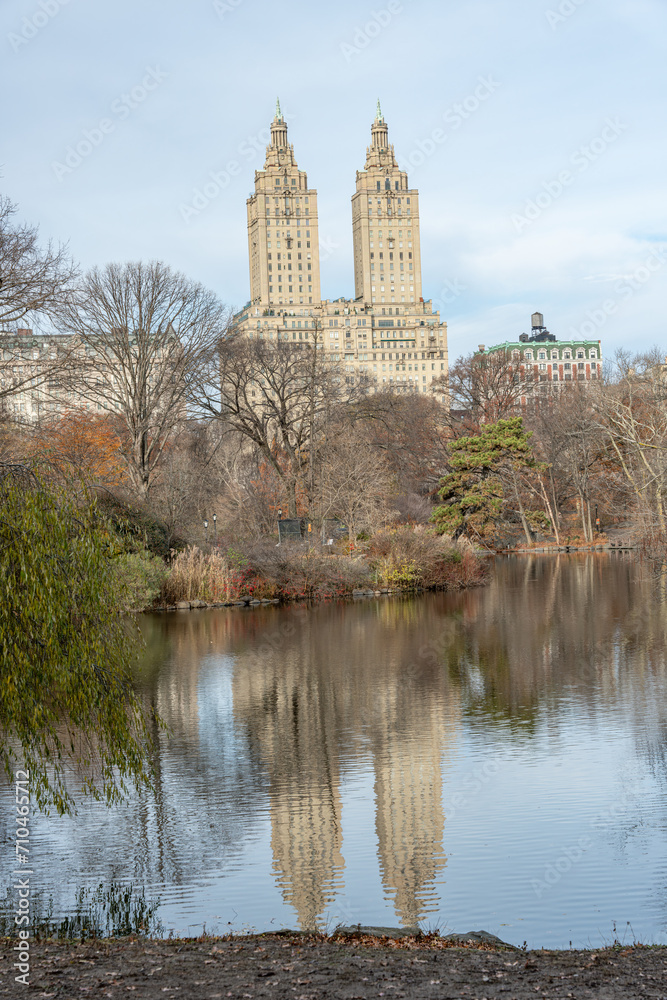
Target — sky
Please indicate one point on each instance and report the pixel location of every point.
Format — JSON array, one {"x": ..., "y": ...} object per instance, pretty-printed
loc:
[{"x": 534, "y": 131}]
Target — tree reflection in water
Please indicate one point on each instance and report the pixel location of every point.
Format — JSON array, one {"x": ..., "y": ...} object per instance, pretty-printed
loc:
[{"x": 274, "y": 711}]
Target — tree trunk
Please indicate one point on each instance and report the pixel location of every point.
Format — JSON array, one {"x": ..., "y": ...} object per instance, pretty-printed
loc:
[
  {"x": 553, "y": 499},
  {"x": 554, "y": 522},
  {"x": 291, "y": 497},
  {"x": 522, "y": 514},
  {"x": 582, "y": 511},
  {"x": 660, "y": 508}
]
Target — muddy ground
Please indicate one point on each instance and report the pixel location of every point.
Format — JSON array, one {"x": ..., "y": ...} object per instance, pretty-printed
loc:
[{"x": 312, "y": 967}]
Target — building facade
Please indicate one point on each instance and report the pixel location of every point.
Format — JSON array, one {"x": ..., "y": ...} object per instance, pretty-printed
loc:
[
  {"x": 283, "y": 236},
  {"x": 30, "y": 367},
  {"x": 387, "y": 334},
  {"x": 549, "y": 363}
]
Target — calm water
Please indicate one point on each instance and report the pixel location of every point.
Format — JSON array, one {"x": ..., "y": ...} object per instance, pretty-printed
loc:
[{"x": 494, "y": 759}]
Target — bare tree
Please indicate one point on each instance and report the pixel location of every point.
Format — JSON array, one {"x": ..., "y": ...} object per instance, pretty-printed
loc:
[
  {"x": 33, "y": 278},
  {"x": 632, "y": 412},
  {"x": 356, "y": 484},
  {"x": 280, "y": 396},
  {"x": 484, "y": 388},
  {"x": 143, "y": 330},
  {"x": 410, "y": 431}
]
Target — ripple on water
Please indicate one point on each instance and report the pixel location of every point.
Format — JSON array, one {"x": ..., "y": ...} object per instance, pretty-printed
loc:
[{"x": 487, "y": 759}]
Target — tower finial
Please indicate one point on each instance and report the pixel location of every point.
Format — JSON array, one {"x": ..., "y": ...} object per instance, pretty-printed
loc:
[
  {"x": 279, "y": 114},
  {"x": 378, "y": 115}
]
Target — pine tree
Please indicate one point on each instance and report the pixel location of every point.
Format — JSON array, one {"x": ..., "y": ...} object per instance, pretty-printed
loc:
[{"x": 485, "y": 481}]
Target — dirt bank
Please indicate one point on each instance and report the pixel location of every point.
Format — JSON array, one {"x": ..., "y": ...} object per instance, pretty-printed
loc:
[{"x": 312, "y": 967}]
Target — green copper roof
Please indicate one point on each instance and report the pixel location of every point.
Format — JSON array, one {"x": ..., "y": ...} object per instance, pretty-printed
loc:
[
  {"x": 378, "y": 115},
  {"x": 279, "y": 114}
]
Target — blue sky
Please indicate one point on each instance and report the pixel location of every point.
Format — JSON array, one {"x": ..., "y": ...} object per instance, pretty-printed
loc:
[{"x": 533, "y": 129}]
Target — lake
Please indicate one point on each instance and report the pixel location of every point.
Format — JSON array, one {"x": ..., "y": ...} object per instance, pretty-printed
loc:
[{"x": 490, "y": 759}]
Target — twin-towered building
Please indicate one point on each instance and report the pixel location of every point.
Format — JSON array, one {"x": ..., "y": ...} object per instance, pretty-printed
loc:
[{"x": 387, "y": 333}]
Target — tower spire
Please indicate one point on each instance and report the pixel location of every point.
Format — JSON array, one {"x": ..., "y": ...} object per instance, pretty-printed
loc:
[
  {"x": 279, "y": 129},
  {"x": 378, "y": 114}
]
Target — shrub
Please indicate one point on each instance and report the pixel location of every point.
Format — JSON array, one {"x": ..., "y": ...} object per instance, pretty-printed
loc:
[
  {"x": 405, "y": 558},
  {"x": 302, "y": 570},
  {"x": 414, "y": 557},
  {"x": 264, "y": 570},
  {"x": 141, "y": 575}
]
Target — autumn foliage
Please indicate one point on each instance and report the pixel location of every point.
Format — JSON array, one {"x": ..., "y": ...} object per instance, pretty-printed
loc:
[{"x": 82, "y": 445}]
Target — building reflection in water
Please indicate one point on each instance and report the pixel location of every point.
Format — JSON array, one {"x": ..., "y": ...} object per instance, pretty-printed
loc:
[
  {"x": 316, "y": 700},
  {"x": 409, "y": 818},
  {"x": 276, "y": 714},
  {"x": 319, "y": 695}
]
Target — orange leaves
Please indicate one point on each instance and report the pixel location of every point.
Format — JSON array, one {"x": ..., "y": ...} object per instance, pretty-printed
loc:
[{"x": 83, "y": 444}]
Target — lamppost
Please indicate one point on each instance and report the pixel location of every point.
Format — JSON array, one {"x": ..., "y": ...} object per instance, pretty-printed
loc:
[
  {"x": 215, "y": 529},
  {"x": 206, "y": 528},
  {"x": 280, "y": 517}
]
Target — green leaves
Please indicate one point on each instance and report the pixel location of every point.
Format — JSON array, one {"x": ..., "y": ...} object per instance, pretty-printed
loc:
[
  {"x": 66, "y": 700},
  {"x": 485, "y": 472}
]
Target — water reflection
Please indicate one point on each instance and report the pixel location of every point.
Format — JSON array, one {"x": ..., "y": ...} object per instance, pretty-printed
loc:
[
  {"x": 339, "y": 685},
  {"x": 275, "y": 712}
]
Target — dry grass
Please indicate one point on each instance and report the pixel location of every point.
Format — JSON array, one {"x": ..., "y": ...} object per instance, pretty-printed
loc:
[
  {"x": 404, "y": 558},
  {"x": 196, "y": 575}
]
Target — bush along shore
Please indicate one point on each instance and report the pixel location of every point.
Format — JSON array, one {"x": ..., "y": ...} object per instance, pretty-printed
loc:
[{"x": 393, "y": 561}]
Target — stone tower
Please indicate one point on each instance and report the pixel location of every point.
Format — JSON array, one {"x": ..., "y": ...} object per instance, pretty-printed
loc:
[
  {"x": 283, "y": 238},
  {"x": 385, "y": 226}
]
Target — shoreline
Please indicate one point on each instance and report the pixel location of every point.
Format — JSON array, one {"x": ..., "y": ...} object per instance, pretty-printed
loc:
[{"x": 357, "y": 963}]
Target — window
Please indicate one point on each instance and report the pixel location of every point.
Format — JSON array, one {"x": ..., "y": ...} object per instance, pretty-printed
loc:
[{"x": 529, "y": 355}]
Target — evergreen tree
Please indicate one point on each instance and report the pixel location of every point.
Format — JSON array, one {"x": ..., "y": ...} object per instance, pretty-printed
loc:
[{"x": 485, "y": 481}]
